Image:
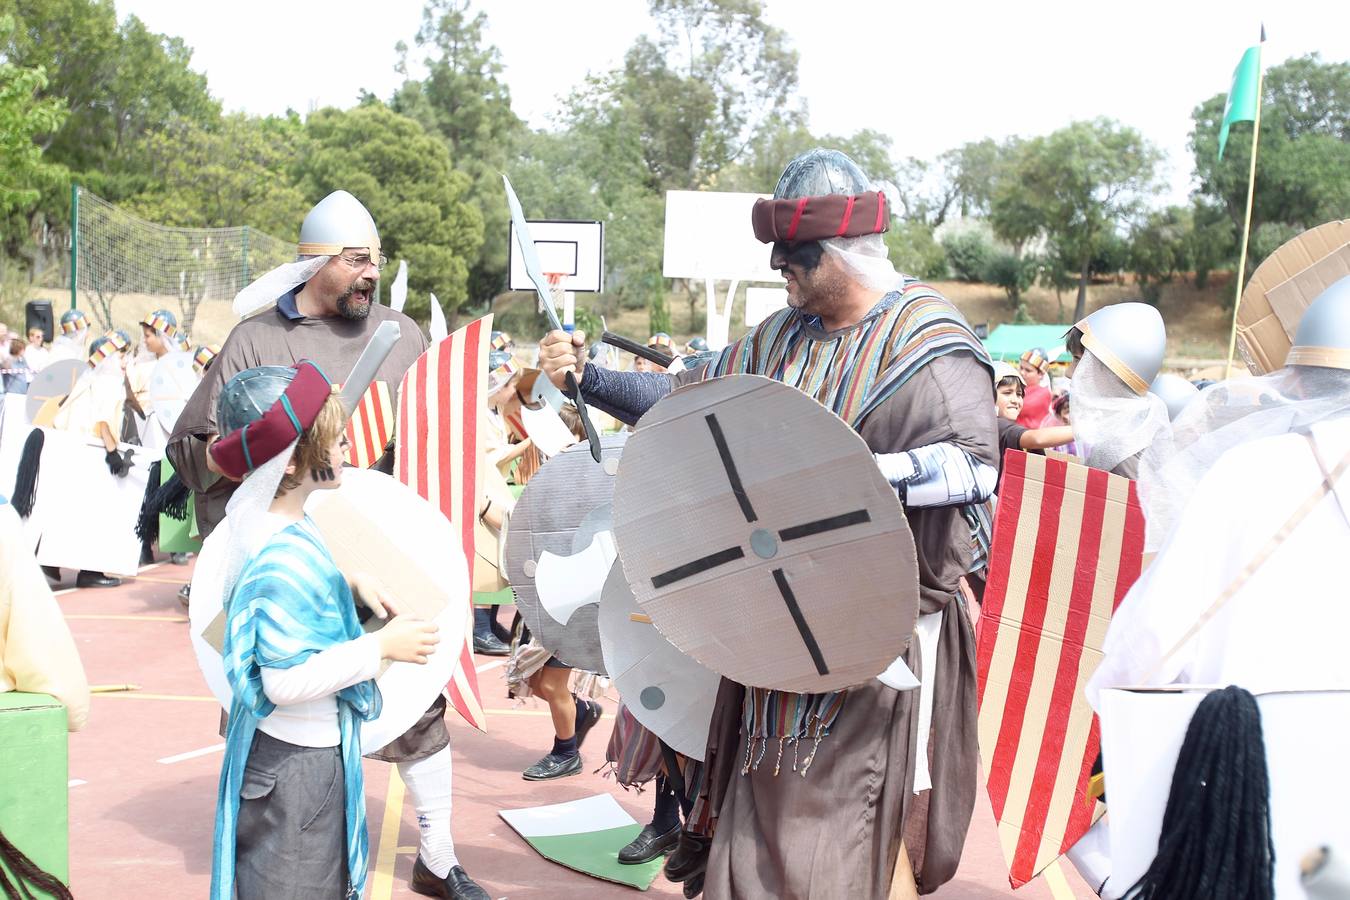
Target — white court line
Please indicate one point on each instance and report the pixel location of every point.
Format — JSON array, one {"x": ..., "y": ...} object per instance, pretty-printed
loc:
[
  {"x": 485, "y": 667},
  {"x": 64, "y": 591},
  {"x": 75, "y": 782},
  {"x": 147, "y": 568},
  {"x": 191, "y": 754}
]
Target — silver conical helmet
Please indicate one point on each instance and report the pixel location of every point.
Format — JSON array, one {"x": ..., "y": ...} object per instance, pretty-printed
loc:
[
  {"x": 1175, "y": 391},
  {"x": 1323, "y": 337},
  {"x": 1129, "y": 339},
  {"x": 819, "y": 172},
  {"x": 336, "y": 222}
]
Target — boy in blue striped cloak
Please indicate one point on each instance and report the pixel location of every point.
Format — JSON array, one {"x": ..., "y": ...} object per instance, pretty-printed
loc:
[{"x": 290, "y": 814}]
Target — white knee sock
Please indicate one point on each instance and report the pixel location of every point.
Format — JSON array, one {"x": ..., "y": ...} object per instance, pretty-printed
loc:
[{"x": 428, "y": 781}]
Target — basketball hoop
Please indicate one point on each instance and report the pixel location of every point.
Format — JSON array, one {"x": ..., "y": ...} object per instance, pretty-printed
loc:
[{"x": 563, "y": 300}]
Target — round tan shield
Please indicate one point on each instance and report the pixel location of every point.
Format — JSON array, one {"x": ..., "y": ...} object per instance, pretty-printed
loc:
[
  {"x": 560, "y": 548},
  {"x": 758, "y": 533},
  {"x": 53, "y": 383}
]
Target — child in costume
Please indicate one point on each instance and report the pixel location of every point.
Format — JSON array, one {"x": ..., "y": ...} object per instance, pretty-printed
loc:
[
  {"x": 1009, "y": 397},
  {"x": 290, "y": 815}
]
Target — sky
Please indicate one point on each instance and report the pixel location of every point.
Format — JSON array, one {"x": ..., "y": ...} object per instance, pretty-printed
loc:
[{"x": 931, "y": 75}]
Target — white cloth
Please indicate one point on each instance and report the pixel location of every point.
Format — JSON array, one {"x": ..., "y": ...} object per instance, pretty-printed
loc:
[
  {"x": 36, "y": 357},
  {"x": 306, "y": 713},
  {"x": 1111, "y": 423},
  {"x": 429, "y": 783},
  {"x": 1285, "y": 627}
]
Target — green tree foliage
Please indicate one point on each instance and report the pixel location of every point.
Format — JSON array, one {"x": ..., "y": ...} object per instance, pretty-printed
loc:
[
  {"x": 1077, "y": 185},
  {"x": 1012, "y": 272},
  {"x": 464, "y": 100},
  {"x": 1302, "y": 161},
  {"x": 233, "y": 173},
  {"x": 968, "y": 249},
  {"x": 404, "y": 176},
  {"x": 1157, "y": 249},
  {"x": 915, "y": 251},
  {"x": 23, "y": 116}
]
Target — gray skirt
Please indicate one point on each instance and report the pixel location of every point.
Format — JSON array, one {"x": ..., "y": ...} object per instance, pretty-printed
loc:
[{"x": 291, "y": 838}]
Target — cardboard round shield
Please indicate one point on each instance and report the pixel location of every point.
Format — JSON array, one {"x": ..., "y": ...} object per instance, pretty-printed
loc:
[
  {"x": 376, "y": 525},
  {"x": 172, "y": 381},
  {"x": 671, "y": 695},
  {"x": 758, "y": 533},
  {"x": 559, "y": 551},
  {"x": 53, "y": 382}
]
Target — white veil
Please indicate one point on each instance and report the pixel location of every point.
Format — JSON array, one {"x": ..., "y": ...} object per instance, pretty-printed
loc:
[{"x": 1111, "y": 422}]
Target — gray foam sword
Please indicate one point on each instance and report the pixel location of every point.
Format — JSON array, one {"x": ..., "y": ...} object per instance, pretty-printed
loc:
[
  {"x": 530, "y": 257},
  {"x": 368, "y": 364}
]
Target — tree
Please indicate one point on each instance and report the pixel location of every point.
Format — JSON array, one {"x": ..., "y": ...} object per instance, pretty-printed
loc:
[
  {"x": 1012, "y": 272},
  {"x": 1303, "y": 160},
  {"x": 1080, "y": 183},
  {"x": 1157, "y": 249},
  {"x": 234, "y": 173},
  {"x": 464, "y": 100},
  {"x": 405, "y": 178}
]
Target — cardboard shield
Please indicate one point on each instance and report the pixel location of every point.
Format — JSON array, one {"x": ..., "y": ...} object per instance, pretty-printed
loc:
[
  {"x": 556, "y": 551},
  {"x": 669, "y": 693},
  {"x": 172, "y": 381},
  {"x": 1306, "y": 737},
  {"x": 1068, "y": 544},
  {"x": 758, "y": 533},
  {"x": 423, "y": 572},
  {"x": 1282, "y": 287},
  {"x": 371, "y": 426},
  {"x": 53, "y": 383}
]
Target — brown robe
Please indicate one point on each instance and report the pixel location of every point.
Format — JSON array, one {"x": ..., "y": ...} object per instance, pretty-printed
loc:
[
  {"x": 837, "y": 831},
  {"x": 272, "y": 338}
]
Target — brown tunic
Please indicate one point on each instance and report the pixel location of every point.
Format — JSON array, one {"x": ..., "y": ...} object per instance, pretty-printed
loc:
[
  {"x": 837, "y": 832},
  {"x": 273, "y": 338}
]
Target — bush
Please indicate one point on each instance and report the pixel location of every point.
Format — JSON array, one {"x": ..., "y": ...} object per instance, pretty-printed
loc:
[
  {"x": 968, "y": 250},
  {"x": 915, "y": 251},
  {"x": 1012, "y": 273}
]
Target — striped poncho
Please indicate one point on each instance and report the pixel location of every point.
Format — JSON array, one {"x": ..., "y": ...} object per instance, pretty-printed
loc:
[
  {"x": 851, "y": 373},
  {"x": 289, "y": 603}
]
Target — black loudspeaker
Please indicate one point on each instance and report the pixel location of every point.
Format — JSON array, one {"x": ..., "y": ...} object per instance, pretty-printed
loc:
[{"x": 38, "y": 314}]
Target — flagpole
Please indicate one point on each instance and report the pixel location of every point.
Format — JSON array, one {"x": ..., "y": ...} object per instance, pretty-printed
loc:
[{"x": 1247, "y": 219}]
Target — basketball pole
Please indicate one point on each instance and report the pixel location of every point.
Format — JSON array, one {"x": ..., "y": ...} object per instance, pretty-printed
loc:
[{"x": 1247, "y": 219}]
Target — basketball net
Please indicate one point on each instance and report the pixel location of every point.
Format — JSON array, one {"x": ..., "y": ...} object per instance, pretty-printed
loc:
[{"x": 562, "y": 298}]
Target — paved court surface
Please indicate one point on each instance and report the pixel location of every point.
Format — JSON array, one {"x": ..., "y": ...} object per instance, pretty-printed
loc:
[{"x": 144, "y": 774}]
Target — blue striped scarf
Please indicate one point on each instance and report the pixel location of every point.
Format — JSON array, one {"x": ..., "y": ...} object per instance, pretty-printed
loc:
[{"x": 289, "y": 603}]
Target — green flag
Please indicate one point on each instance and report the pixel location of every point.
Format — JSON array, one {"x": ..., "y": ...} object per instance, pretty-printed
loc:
[{"x": 1243, "y": 96}]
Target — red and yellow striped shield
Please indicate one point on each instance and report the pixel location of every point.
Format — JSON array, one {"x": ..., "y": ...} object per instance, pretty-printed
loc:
[
  {"x": 370, "y": 427},
  {"x": 439, "y": 445},
  {"x": 1068, "y": 543}
]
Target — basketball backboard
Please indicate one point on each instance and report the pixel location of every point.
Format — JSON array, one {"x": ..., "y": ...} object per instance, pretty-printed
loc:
[
  {"x": 708, "y": 235},
  {"x": 760, "y": 303},
  {"x": 576, "y": 249}
]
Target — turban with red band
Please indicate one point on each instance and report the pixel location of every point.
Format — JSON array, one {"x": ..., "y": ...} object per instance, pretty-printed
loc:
[
  {"x": 244, "y": 449},
  {"x": 820, "y": 218}
]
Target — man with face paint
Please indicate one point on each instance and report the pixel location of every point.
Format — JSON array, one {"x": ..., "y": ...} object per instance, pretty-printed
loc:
[
  {"x": 899, "y": 364},
  {"x": 325, "y": 311}
]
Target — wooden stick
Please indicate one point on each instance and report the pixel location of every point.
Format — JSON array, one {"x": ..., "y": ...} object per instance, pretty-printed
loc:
[{"x": 1247, "y": 221}]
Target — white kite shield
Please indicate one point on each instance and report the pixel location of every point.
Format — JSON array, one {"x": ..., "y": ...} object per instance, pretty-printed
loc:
[
  {"x": 669, "y": 693},
  {"x": 758, "y": 533},
  {"x": 374, "y": 525}
]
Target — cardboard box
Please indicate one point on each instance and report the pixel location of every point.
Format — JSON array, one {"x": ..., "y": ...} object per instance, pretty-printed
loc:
[
  {"x": 1262, "y": 338},
  {"x": 1307, "y": 738},
  {"x": 34, "y": 814}
]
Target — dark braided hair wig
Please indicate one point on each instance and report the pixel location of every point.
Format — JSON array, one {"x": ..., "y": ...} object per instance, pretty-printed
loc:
[
  {"x": 1215, "y": 839},
  {"x": 28, "y": 875}
]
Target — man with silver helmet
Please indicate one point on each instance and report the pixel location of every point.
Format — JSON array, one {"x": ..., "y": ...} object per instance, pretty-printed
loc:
[
  {"x": 325, "y": 311},
  {"x": 1117, "y": 353},
  {"x": 899, "y": 363}
]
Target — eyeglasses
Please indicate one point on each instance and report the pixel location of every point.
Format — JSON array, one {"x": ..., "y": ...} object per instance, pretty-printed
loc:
[{"x": 360, "y": 262}]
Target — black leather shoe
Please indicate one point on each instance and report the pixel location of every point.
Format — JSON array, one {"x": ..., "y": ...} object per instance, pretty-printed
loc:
[
  {"x": 690, "y": 857},
  {"x": 178, "y": 559},
  {"x": 52, "y": 573},
  {"x": 185, "y": 595},
  {"x": 648, "y": 845},
  {"x": 593, "y": 712},
  {"x": 693, "y": 887},
  {"x": 553, "y": 766},
  {"x": 490, "y": 646},
  {"x": 457, "y": 885},
  {"x": 95, "y": 579}
]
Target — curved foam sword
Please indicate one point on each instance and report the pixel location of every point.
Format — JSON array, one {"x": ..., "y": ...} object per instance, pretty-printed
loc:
[
  {"x": 530, "y": 257},
  {"x": 376, "y": 351}
]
